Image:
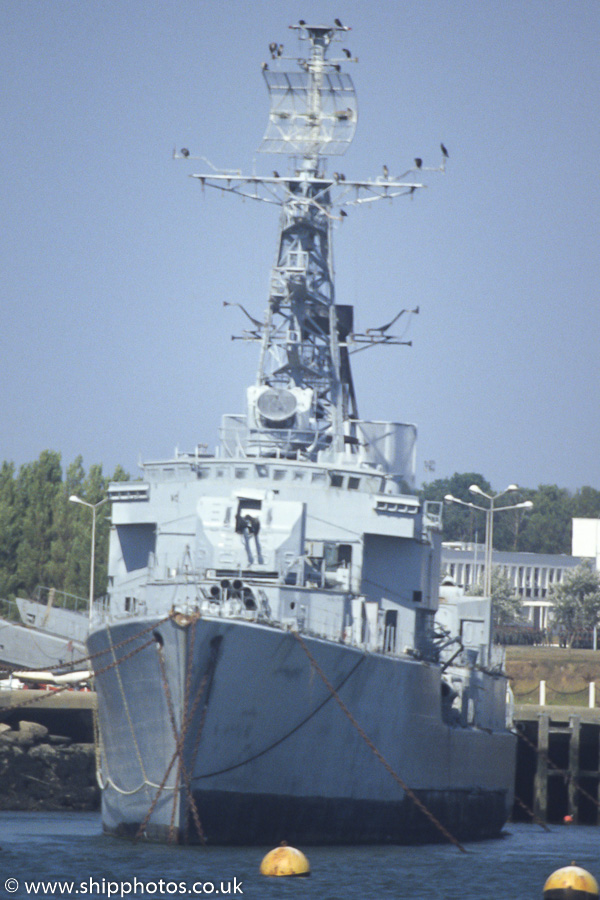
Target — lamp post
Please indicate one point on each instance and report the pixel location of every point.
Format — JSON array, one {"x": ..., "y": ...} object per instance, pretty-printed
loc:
[
  {"x": 93, "y": 506},
  {"x": 489, "y": 523}
]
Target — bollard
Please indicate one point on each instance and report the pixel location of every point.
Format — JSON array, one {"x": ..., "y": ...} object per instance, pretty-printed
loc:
[{"x": 542, "y": 693}]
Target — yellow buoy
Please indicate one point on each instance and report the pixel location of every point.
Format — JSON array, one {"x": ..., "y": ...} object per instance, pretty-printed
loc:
[
  {"x": 571, "y": 883},
  {"x": 284, "y": 860}
]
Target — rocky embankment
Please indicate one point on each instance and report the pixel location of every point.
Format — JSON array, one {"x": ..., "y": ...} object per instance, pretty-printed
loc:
[{"x": 43, "y": 771}]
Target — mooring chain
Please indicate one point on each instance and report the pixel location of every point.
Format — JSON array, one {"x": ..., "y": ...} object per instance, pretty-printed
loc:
[
  {"x": 141, "y": 832},
  {"x": 180, "y": 738},
  {"x": 142, "y": 829},
  {"x": 178, "y": 749},
  {"x": 98, "y": 743},
  {"x": 410, "y": 793},
  {"x": 123, "y": 659},
  {"x": 45, "y": 695},
  {"x": 183, "y": 767},
  {"x": 33, "y": 700},
  {"x": 185, "y": 726},
  {"x": 206, "y": 687},
  {"x": 91, "y": 656},
  {"x": 167, "y": 693},
  {"x": 186, "y": 700},
  {"x": 67, "y": 687},
  {"x": 567, "y": 777},
  {"x": 531, "y": 814}
]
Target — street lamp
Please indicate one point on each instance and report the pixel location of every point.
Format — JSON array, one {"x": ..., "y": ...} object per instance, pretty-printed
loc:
[
  {"x": 93, "y": 506},
  {"x": 489, "y": 523}
]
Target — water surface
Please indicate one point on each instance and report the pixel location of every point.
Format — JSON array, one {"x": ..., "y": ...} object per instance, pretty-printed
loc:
[{"x": 70, "y": 847}]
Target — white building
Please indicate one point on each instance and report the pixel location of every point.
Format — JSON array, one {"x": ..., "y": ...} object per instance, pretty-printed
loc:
[
  {"x": 586, "y": 540},
  {"x": 530, "y": 574}
]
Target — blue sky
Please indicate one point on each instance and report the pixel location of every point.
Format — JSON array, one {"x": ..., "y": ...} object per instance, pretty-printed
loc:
[{"x": 114, "y": 340}]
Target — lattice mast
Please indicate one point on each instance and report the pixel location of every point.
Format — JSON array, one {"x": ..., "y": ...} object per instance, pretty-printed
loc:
[
  {"x": 313, "y": 113},
  {"x": 303, "y": 401}
]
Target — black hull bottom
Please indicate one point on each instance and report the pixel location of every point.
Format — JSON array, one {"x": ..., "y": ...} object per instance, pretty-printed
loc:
[{"x": 251, "y": 819}]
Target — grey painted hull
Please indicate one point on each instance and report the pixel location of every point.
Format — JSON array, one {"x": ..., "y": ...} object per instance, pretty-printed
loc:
[{"x": 266, "y": 751}]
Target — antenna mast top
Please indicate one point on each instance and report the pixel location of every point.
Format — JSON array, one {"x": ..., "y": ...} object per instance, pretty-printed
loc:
[
  {"x": 313, "y": 111},
  {"x": 303, "y": 403}
]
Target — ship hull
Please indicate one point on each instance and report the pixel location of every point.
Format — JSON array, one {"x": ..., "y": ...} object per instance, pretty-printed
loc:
[{"x": 224, "y": 731}]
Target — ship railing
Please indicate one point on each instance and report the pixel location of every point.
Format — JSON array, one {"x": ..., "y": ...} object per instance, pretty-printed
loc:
[
  {"x": 280, "y": 441},
  {"x": 239, "y": 441},
  {"x": 101, "y": 609},
  {"x": 50, "y": 596},
  {"x": 432, "y": 514}
]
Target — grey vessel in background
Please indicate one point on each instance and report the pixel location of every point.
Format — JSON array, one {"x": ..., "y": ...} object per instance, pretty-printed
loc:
[
  {"x": 266, "y": 600},
  {"x": 45, "y": 631}
]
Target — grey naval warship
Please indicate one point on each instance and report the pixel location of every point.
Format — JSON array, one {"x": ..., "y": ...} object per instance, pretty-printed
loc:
[{"x": 273, "y": 660}]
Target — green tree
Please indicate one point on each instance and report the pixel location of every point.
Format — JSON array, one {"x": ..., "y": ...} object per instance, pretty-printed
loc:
[
  {"x": 547, "y": 528},
  {"x": 577, "y": 601},
  {"x": 92, "y": 488},
  {"x": 37, "y": 488},
  {"x": 45, "y": 539},
  {"x": 460, "y": 523},
  {"x": 9, "y": 531},
  {"x": 586, "y": 503},
  {"x": 65, "y": 567},
  {"x": 509, "y": 525}
]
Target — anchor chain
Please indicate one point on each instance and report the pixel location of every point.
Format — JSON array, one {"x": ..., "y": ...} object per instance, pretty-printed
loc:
[
  {"x": 91, "y": 656},
  {"x": 180, "y": 738},
  {"x": 531, "y": 814},
  {"x": 179, "y": 744}
]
